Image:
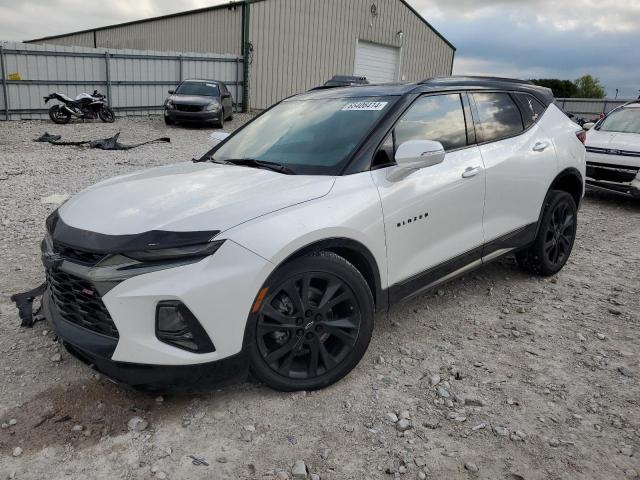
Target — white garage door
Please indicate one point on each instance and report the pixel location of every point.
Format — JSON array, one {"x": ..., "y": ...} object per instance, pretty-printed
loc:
[{"x": 379, "y": 63}]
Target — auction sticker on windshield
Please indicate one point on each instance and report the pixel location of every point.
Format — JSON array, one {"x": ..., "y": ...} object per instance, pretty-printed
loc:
[{"x": 359, "y": 106}]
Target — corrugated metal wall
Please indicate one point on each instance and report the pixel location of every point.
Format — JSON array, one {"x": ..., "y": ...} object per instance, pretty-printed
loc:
[
  {"x": 83, "y": 39},
  {"x": 586, "y": 107},
  {"x": 138, "y": 80},
  {"x": 299, "y": 44},
  {"x": 209, "y": 31}
]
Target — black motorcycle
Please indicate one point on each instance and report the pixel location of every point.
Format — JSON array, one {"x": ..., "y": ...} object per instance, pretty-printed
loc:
[{"x": 84, "y": 106}]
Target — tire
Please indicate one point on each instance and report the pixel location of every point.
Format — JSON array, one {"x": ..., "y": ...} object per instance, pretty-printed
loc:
[
  {"x": 295, "y": 343},
  {"x": 556, "y": 235},
  {"x": 220, "y": 122},
  {"x": 107, "y": 115},
  {"x": 58, "y": 115},
  {"x": 167, "y": 120}
]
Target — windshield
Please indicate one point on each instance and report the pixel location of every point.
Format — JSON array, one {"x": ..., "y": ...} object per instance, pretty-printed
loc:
[
  {"x": 309, "y": 136},
  {"x": 198, "y": 88},
  {"x": 626, "y": 120}
]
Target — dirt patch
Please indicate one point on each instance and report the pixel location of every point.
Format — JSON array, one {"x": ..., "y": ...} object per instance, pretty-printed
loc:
[{"x": 77, "y": 414}]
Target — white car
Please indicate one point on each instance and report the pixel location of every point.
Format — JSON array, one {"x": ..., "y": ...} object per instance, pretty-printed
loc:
[
  {"x": 275, "y": 251},
  {"x": 613, "y": 151}
]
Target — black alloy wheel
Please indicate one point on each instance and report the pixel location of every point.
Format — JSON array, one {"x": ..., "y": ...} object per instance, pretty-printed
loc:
[
  {"x": 560, "y": 233},
  {"x": 556, "y": 235},
  {"x": 313, "y": 325}
]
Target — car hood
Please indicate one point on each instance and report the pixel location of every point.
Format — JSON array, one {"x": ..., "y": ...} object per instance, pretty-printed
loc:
[
  {"x": 188, "y": 197},
  {"x": 192, "y": 99},
  {"x": 613, "y": 140}
]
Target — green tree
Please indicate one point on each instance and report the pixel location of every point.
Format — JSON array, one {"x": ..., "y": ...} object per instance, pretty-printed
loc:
[
  {"x": 589, "y": 87},
  {"x": 560, "y": 88}
]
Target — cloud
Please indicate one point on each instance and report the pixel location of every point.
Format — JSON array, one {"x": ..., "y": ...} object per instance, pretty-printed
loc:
[
  {"x": 607, "y": 16},
  {"x": 541, "y": 38}
]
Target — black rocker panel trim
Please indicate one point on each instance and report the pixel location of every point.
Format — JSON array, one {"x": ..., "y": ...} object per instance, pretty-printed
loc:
[
  {"x": 520, "y": 238},
  {"x": 409, "y": 287},
  {"x": 104, "y": 243},
  {"x": 517, "y": 239}
]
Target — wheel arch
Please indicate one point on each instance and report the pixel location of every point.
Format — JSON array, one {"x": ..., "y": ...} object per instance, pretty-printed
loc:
[
  {"x": 569, "y": 180},
  {"x": 355, "y": 253}
]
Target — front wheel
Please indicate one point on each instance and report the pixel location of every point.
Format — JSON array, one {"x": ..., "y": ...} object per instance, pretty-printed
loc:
[
  {"x": 59, "y": 115},
  {"x": 556, "y": 235},
  {"x": 313, "y": 325},
  {"x": 106, "y": 114}
]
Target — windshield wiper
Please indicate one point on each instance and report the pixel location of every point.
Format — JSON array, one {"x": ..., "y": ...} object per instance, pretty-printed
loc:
[{"x": 253, "y": 163}]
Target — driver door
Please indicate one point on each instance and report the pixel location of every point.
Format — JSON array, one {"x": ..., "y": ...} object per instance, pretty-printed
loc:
[{"x": 433, "y": 216}]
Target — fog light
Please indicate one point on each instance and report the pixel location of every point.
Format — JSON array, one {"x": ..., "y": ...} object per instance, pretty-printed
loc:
[{"x": 177, "y": 326}]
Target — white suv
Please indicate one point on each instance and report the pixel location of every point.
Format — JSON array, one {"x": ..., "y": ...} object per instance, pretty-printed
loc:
[
  {"x": 613, "y": 151},
  {"x": 274, "y": 252}
]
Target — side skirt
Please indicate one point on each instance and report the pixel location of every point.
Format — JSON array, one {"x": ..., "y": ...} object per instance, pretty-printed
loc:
[{"x": 458, "y": 266}]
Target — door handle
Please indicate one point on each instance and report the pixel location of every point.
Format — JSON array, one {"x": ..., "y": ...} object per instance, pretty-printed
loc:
[
  {"x": 471, "y": 172},
  {"x": 540, "y": 146}
]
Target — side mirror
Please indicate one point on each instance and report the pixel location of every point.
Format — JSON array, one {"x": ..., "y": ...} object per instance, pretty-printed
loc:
[
  {"x": 216, "y": 137},
  {"x": 588, "y": 125},
  {"x": 226, "y": 95},
  {"x": 415, "y": 154},
  {"x": 171, "y": 91}
]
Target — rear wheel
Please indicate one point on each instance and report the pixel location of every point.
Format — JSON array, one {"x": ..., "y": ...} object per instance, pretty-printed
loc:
[
  {"x": 106, "y": 114},
  {"x": 313, "y": 325},
  {"x": 59, "y": 115},
  {"x": 556, "y": 235}
]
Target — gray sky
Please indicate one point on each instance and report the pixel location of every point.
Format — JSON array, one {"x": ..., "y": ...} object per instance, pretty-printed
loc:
[{"x": 516, "y": 38}]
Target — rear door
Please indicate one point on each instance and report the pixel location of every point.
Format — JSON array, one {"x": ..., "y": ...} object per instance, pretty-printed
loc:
[
  {"x": 433, "y": 216},
  {"x": 520, "y": 163}
]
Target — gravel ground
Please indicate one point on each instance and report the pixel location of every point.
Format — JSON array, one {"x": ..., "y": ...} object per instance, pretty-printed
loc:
[{"x": 497, "y": 375}]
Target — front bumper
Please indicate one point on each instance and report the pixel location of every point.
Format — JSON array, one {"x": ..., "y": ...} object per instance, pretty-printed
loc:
[
  {"x": 622, "y": 179},
  {"x": 202, "y": 116},
  {"x": 96, "y": 350},
  {"x": 219, "y": 290}
]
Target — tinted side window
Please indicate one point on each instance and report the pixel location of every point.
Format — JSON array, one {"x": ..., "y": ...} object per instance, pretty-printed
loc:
[
  {"x": 499, "y": 116},
  {"x": 530, "y": 107},
  {"x": 437, "y": 117}
]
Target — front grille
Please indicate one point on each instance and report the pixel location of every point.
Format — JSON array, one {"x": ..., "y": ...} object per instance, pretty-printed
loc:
[
  {"x": 611, "y": 173},
  {"x": 78, "y": 256},
  {"x": 189, "y": 108},
  {"x": 79, "y": 303}
]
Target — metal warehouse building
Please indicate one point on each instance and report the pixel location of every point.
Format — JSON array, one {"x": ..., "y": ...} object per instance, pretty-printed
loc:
[{"x": 289, "y": 46}]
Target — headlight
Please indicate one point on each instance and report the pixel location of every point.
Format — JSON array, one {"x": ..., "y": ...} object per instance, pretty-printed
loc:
[
  {"x": 170, "y": 105},
  {"x": 176, "y": 253},
  {"x": 213, "y": 107}
]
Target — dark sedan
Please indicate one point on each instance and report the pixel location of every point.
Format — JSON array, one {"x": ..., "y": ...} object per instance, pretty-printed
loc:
[{"x": 199, "y": 101}]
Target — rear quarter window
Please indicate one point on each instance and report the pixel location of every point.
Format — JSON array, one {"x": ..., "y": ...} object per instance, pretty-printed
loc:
[
  {"x": 530, "y": 107},
  {"x": 499, "y": 116}
]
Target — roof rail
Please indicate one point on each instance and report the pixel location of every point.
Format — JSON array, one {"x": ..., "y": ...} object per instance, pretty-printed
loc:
[{"x": 474, "y": 77}]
